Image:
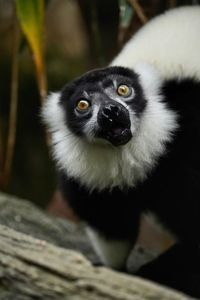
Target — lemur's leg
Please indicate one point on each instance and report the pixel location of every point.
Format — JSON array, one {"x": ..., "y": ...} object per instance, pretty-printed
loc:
[{"x": 113, "y": 253}]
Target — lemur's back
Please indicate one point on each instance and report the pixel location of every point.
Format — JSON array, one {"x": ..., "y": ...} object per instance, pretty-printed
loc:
[{"x": 170, "y": 42}]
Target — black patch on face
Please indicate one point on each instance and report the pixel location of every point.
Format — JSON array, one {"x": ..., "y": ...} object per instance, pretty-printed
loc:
[{"x": 95, "y": 82}]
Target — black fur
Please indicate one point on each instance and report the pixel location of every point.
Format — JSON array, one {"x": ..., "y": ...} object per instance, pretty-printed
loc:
[
  {"x": 172, "y": 190},
  {"x": 115, "y": 214},
  {"x": 178, "y": 268}
]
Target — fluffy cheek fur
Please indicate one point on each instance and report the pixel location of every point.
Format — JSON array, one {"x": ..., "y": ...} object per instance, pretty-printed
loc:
[{"x": 100, "y": 166}]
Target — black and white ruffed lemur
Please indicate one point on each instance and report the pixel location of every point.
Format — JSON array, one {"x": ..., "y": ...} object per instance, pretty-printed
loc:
[{"x": 126, "y": 141}]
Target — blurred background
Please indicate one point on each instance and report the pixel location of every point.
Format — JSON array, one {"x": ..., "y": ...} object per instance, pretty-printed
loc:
[{"x": 43, "y": 45}]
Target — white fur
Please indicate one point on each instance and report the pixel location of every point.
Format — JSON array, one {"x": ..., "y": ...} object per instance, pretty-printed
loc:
[
  {"x": 170, "y": 42},
  {"x": 113, "y": 253},
  {"x": 103, "y": 166}
]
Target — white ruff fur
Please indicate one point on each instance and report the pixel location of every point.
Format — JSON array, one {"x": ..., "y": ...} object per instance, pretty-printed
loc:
[
  {"x": 99, "y": 166},
  {"x": 170, "y": 42}
]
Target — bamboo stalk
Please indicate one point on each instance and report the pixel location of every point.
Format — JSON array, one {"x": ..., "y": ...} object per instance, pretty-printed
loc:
[
  {"x": 139, "y": 11},
  {"x": 1, "y": 147},
  {"x": 13, "y": 107},
  {"x": 1, "y": 155},
  {"x": 172, "y": 3}
]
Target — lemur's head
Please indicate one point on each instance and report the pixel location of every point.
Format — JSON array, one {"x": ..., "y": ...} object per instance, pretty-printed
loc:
[
  {"x": 110, "y": 125},
  {"x": 104, "y": 104}
]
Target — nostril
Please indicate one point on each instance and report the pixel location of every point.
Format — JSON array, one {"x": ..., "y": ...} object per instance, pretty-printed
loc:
[
  {"x": 111, "y": 110},
  {"x": 106, "y": 111},
  {"x": 115, "y": 108}
]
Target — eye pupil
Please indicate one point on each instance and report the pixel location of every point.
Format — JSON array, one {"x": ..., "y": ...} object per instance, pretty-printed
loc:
[
  {"x": 123, "y": 90},
  {"x": 82, "y": 104}
]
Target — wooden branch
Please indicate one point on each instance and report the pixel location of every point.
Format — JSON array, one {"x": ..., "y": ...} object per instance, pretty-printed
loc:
[
  {"x": 34, "y": 269},
  {"x": 37, "y": 268}
]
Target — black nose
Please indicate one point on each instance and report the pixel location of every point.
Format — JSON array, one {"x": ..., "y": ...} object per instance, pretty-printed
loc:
[
  {"x": 111, "y": 111},
  {"x": 114, "y": 123},
  {"x": 113, "y": 115}
]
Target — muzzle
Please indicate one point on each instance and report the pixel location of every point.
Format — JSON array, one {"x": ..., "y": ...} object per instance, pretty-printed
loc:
[{"x": 114, "y": 123}]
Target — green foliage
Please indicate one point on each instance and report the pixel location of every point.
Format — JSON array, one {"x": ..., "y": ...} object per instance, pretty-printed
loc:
[
  {"x": 31, "y": 18},
  {"x": 126, "y": 13}
]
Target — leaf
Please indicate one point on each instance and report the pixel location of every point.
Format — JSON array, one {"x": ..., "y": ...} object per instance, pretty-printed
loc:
[
  {"x": 126, "y": 13},
  {"x": 31, "y": 18}
]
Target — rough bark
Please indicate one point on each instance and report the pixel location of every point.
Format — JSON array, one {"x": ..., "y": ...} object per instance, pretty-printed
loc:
[{"x": 32, "y": 268}]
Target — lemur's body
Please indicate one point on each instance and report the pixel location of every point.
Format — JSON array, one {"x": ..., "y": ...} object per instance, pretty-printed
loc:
[{"x": 122, "y": 155}]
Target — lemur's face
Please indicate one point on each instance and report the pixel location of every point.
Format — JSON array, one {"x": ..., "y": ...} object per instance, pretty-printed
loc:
[{"x": 104, "y": 104}]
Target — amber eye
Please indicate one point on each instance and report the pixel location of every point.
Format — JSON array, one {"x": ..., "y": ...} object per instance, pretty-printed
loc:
[
  {"x": 83, "y": 105},
  {"x": 123, "y": 90}
]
